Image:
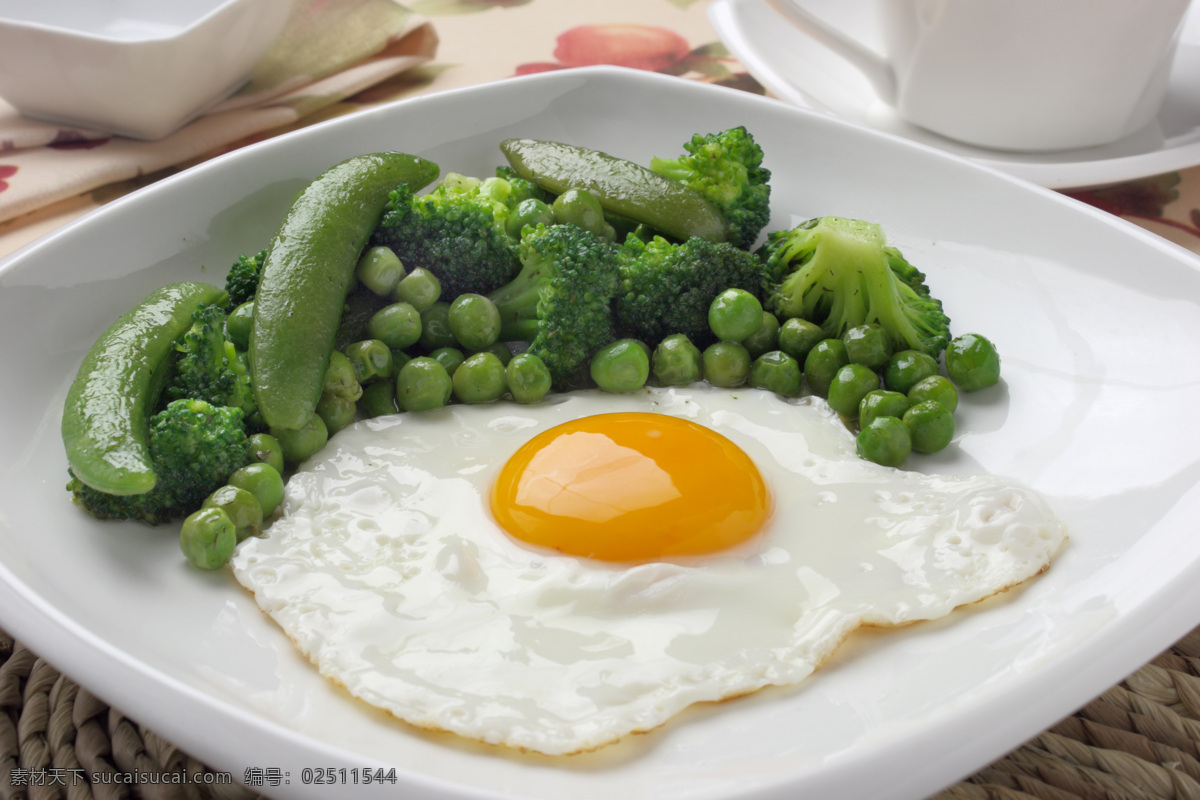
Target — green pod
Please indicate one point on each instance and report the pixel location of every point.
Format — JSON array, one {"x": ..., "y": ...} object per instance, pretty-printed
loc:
[
  {"x": 117, "y": 386},
  {"x": 622, "y": 187},
  {"x": 307, "y": 274}
]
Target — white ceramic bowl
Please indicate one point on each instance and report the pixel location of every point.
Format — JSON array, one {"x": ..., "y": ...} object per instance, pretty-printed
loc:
[{"x": 140, "y": 68}]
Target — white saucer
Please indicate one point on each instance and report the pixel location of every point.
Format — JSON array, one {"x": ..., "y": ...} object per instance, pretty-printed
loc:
[{"x": 800, "y": 71}]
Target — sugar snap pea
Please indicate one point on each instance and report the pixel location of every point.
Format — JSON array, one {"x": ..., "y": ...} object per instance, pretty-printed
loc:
[
  {"x": 106, "y": 410},
  {"x": 307, "y": 274},
  {"x": 623, "y": 187}
]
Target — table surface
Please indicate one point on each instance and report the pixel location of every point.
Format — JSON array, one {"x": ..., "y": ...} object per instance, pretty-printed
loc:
[{"x": 475, "y": 45}]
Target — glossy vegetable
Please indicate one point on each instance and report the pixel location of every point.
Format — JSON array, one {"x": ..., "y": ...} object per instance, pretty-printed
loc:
[
  {"x": 885, "y": 441},
  {"x": 726, "y": 364},
  {"x": 528, "y": 378},
  {"x": 622, "y": 366},
  {"x": 117, "y": 386},
  {"x": 734, "y": 315},
  {"x": 208, "y": 538},
  {"x": 777, "y": 372},
  {"x": 622, "y": 187},
  {"x": 972, "y": 362},
  {"x": 307, "y": 274},
  {"x": 676, "y": 361}
]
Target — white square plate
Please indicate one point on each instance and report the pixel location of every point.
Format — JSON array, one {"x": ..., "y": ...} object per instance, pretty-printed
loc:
[{"x": 1096, "y": 321}]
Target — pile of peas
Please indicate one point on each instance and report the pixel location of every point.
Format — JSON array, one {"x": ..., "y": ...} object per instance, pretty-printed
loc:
[
  {"x": 461, "y": 357},
  {"x": 898, "y": 401}
]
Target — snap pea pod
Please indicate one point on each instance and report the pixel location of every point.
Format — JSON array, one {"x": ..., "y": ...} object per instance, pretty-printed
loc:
[
  {"x": 117, "y": 385},
  {"x": 623, "y": 187},
  {"x": 307, "y": 274}
]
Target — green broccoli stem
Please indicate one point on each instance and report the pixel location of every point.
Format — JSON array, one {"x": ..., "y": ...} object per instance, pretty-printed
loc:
[
  {"x": 517, "y": 302},
  {"x": 670, "y": 168}
]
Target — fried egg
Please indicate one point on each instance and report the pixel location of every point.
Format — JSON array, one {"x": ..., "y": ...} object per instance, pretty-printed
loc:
[{"x": 554, "y": 577}]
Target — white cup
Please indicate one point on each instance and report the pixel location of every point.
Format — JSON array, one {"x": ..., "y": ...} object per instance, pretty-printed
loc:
[{"x": 1016, "y": 74}]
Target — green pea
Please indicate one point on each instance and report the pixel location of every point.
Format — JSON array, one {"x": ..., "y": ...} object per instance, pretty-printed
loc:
[
  {"x": 340, "y": 378},
  {"x": 937, "y": 388},
  {"x": 380, "y": 270},
  {"x": 581, "y": 208},
  {"x": 822, "y": 362},
  {"x": 479, "y": 379},
  {"x": 766, "y": 338},
  {"x": 798, "y": 336},
  {"x": 867, "y": 344},
  {"x": 207, "y": 538},
  {"x": 423, "y": 385},
  {"x": 931, "y": 426},
  {"x": 777, "y": 372},
  {"x": 972, "y": 362},
  {"x": 336, "y": 412},
  {"x": 264, "y": 482},
  {"x": 528, "y": 378},
  {"x": 474, "y": 321},
  {"x": 734, "y": 314},
  {"x": 726, "y": 364},
  {"x": 449, "y": 357},
  {"x": 300, "y": 443},
  {"x": 397, "y": 325},
  {"x": 907, "y": 367},
  {"x": 850, "y": 384},
  {"x": 676, "y": 361},
  {"x": 399, "y": 359},
  {"x": 419, "y": 288},
  {"x": 622, "y": 366},
  {"x": 881, "y": 403},
  {"x": 378, "y": 400},
  {"x": 238, "y": 324},
  {"x": 242, "y": 508},
  {"x": 266, "y": 448},
  {"x": 371, "y": 360},
  {"x": 530, "y": 211},
  {"x": 435, "y": 327},
  {"x": 885, "y": 441},
  {"x": 500, "y": 350}
]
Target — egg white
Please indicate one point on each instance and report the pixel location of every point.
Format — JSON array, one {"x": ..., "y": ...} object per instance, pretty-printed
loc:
[{"x": 389, "y": 573}]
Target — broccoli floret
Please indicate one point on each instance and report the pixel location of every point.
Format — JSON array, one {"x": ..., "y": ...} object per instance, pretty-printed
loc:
[
  {"x": 840, "y": 273},
  {"x": 194, "y": 448},
  {"x": 522, "y": 189},
  {"x": 726, "y": 169},
  {"x": 667, "y": 288},
  {"x": 561, "y": 300},
  {"x": 456, "y": 231},
  {"x": 208, "y": 367},
  {"x": 241, "y": 282}
]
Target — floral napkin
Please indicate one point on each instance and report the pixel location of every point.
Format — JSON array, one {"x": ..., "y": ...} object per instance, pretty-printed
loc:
[{"x": 328, "y": 51}]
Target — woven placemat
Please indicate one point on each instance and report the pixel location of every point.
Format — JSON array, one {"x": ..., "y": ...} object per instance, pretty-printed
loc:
[{"x": 1140, "y": 740}]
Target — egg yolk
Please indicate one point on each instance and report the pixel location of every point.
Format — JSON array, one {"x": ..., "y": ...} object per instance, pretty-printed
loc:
[{"x": 631, "y": 487}]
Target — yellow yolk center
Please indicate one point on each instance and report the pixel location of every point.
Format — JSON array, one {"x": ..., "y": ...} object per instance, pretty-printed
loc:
[{"x": 631, "y": 487}]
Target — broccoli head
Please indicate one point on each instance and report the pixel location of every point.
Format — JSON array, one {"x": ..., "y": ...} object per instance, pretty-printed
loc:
[
  {"x": 667, "y": 288},
  {"x": 726, "y": 169},
  {"x": 194, "y": 447},
  {"x": 456, "y": 231},
  {"x": 241, "y": 282},
  {"x": 207, "y": 365},
  {"x": 522, "y": 189},
  {"x": 839, "y": 273},
  {"x": 561, "y": 300}
]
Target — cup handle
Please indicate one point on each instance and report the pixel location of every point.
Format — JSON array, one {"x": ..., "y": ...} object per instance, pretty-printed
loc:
[{"x": 874, "y": 67}]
